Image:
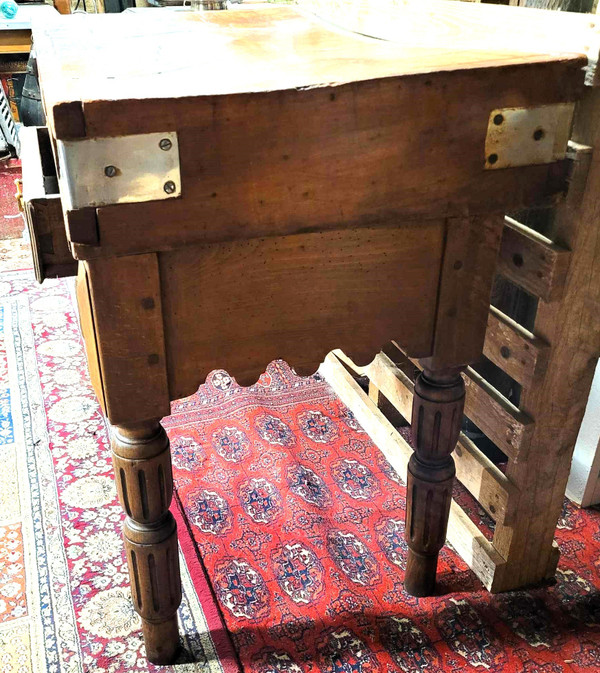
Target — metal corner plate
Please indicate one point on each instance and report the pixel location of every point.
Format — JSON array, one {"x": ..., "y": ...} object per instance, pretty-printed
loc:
[
  {"x": 526, "y": 136},
  {"x": 124, "y": 169}
]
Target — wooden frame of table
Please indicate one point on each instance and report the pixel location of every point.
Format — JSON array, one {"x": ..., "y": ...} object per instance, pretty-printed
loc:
[{"x": 332, "y": 189}]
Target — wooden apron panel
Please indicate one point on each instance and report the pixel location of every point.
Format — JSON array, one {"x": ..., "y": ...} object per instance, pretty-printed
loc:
[{"x": 240, "y": 305}]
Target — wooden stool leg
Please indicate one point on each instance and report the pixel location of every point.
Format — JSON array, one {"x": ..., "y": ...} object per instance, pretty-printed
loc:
[
  {"x": 436, "y": 419},
  {"x": 142, "y": 463}
]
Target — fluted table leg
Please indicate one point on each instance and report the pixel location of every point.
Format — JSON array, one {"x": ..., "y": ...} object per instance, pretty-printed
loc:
[
  {"x": 142, "y": 463},
  {"x": 436, "y": 419}
]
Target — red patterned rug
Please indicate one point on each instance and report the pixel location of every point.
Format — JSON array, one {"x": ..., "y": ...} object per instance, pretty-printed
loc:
[
  {"x": 297, "y": 517},
  {"x": 299, "y": 523}
]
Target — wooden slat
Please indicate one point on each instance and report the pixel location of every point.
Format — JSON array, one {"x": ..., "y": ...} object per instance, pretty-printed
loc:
[
  {"x": 532, "y": 261},
  {"x": 509, "y": 428},
  {"x": 393, "y": 383},
  {"x": 463, "y": 535},
  {"x": 519, "y": 353},
  {"x": 486, "y": 482},
  {"x": 474, "y": 549},
  {"x": 15, "y": 41},
  {"x": 488, "y": 485}
]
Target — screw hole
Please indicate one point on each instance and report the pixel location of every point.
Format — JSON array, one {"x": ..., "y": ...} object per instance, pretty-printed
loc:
[
  {"x": 517, "y": 259},
  {"x": 498, "y": 119},
  {"x": 538, "y": 134},
  {"x": 458, "y": 265},
  {"x": 505, "y": 352},
  {"x": 492, "y": 159}
]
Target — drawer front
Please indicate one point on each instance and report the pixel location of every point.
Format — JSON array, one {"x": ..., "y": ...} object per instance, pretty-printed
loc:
[{"x": 42, "y": 206}]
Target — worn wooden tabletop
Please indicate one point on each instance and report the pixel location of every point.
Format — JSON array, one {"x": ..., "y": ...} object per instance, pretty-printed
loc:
[{"x": 159, "y": 54}]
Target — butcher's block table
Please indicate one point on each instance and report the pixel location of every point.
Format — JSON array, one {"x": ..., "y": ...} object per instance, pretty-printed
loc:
[{"x": 248, "y": 185}]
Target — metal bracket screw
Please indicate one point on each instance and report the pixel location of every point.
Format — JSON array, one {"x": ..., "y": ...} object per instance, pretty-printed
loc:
[{"x": 132, "y": 169}]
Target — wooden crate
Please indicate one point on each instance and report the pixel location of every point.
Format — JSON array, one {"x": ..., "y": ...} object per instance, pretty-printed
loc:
[{"x": 554, "y": 363}]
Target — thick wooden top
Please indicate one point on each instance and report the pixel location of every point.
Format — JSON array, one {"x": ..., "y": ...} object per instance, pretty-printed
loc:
[
  {"x": 161, "y": 54},
  {"x": 467, "y": 26}
]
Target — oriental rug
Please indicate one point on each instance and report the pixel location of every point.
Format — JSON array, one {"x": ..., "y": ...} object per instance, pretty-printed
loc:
[
  {"x": 299, "y": 520},
  {"x": 65, "y": 605},
  {"x": 297, "y": 517}
]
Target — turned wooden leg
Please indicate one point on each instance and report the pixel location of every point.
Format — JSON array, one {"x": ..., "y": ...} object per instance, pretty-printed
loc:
[
  {"x": 142, "y": 463},
  {"x": 436, "y": 419}
]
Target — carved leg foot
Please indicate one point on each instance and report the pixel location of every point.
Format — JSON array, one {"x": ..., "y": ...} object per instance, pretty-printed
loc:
[
  {"x": 436, "y": 419},
  {"x": 142, "y": 463}
]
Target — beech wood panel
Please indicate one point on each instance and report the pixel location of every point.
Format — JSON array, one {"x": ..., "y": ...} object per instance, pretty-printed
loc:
[
  {"x": 522, "y": 355},
  {"x": 337, "y": 157},
  {"x": 532, "y": 261},
  {"x": 246, "y": 43},
  {"x": 240, "y": 305},
  {"x": 489, "y": 27},
  {"x": 125, "y": 295}
]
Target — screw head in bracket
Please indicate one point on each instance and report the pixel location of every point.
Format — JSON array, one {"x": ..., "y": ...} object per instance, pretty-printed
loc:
[
  {"x": 110, "y": 171},
  {"x": 169, "y": 187},
  {"x": 165, "y": 144}
]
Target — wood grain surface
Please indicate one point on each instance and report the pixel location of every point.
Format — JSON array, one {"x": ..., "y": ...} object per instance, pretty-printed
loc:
[
  {"x": 303, "y": 128},
  {"x": 488, "y": 27},
  {"x": 237, "y": 306},
  {"x": 470, "y": 251},
  {"x": 266, "y": 50},
  {"x": 128, "y": 323}
]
